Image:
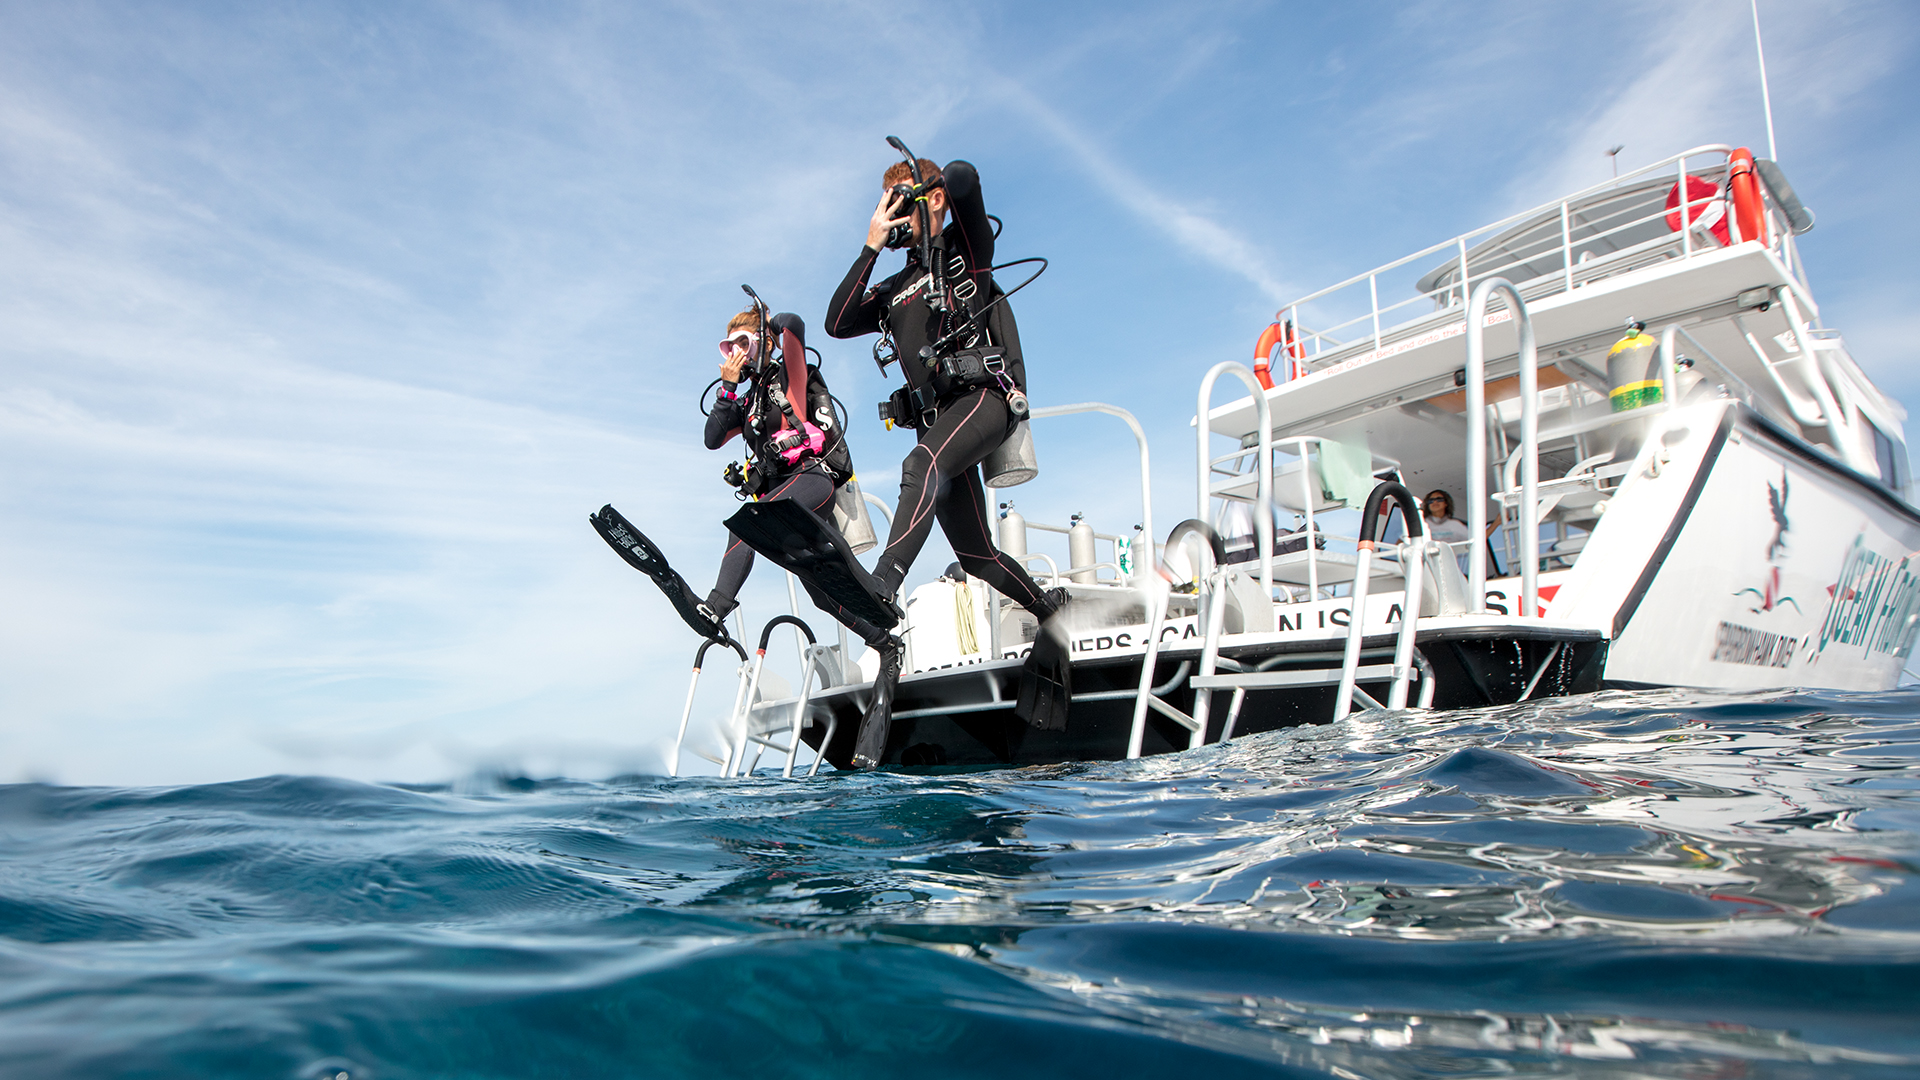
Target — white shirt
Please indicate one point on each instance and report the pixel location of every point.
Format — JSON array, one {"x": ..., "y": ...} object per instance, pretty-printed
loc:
[{"x": 1451, "y": 530}]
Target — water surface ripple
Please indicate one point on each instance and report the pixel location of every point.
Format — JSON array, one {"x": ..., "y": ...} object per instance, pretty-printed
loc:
[{"x": 1623, "y": 885}]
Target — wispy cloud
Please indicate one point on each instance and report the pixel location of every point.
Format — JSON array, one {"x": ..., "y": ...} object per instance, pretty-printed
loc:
[
  {"x": 1193, "y": 230},
  {"x": 1694, "y": 79}
]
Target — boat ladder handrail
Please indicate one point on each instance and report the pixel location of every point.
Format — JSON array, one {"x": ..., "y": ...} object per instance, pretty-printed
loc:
[
  {"x": 1413, "y": 560},
  {"x": 1414, "y": 551},
  {"x": 693, "y": 686},
  {"x": 1263, "y": 498},
  {"x": 1211, "y": 615},
  {"x": 1477, "y": 471},
  {"x": 761, "y": 735}
]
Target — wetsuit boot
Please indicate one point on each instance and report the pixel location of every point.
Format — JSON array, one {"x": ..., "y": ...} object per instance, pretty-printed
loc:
[
  {"x": 1046, "y": 683},
  {"x": 717, "y": 607},
  {"x": 870, "y": 746},
  {"x": 888, "y": 573}
]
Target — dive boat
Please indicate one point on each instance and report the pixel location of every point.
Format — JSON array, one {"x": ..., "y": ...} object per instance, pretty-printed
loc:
[{"x": 1673, "y": 472}]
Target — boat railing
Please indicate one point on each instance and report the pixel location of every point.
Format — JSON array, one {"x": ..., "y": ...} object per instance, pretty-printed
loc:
[
  {"x": 1087, "y": 574},
  {"x": 1557, "y": 261},
  {"x": 1263, "y": 492},
  {"x": 1142, "y": 566},
  {"x": 1477, "y": 472},
  {"x": 1210, "y": 574}
]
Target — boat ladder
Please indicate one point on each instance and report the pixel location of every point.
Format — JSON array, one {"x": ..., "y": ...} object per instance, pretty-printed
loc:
[{"x": 763, "y": 725}]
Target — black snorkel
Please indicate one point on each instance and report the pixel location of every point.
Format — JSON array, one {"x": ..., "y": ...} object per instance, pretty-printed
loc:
[
  {"x": 765, "y": 351},
  {"x": 936, "y": 292}
]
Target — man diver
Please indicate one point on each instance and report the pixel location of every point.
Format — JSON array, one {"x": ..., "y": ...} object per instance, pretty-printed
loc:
[{"x": 960, "y": 352}]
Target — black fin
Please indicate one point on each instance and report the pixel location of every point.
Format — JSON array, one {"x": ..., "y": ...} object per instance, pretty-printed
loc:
[
  {"x": 870, "y": 748},
  {"x": 1046, "y": 683},
  {"x": 803, "y": 542},
  {"x": 640, "y": 553}
]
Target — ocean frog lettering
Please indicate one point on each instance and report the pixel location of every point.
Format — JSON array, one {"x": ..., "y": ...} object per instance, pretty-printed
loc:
[{"x": 1876, "y": 603}]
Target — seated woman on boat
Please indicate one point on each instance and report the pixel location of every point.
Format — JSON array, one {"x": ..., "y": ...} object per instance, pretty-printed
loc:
[{"x": 1437, "y": 509}]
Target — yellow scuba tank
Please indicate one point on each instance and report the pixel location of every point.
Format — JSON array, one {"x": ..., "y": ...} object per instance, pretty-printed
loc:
[{"x": 1632, "y": 380}]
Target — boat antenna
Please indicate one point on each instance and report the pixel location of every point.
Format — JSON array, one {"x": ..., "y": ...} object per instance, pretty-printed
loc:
[{"x": 1766, "y": 99}]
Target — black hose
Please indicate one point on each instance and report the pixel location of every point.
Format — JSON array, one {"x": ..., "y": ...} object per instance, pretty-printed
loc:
[
  {"x": 700, "y": 658},
  {"x": 974, "y": 319},
  {"x": 1409, "y": 509},
  {"x": 1195, "y": 525},
  {"x": 766, "y": 634}
]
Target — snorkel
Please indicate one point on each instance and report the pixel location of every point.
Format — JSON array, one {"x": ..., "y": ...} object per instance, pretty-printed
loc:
[{"x": 936, "y": 293}]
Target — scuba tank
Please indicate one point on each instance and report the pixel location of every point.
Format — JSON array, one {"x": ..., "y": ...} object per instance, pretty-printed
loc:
[
  {"x": 1012, "y": 462},
  {"x": 851, "y": 518},
  {"x": 1080, "y": 550},
  {"x": 1013, "y": 531},
  {"x": 1632, "y": 378}
]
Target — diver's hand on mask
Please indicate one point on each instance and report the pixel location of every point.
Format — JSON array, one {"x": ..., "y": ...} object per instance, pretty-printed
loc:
[
  {"x": 731, "y": 367},
  {"x": 884, "y": 219}
]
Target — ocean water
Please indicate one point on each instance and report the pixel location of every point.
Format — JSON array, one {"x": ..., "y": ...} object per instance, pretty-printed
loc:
[{"x": 1625, "y": 885}]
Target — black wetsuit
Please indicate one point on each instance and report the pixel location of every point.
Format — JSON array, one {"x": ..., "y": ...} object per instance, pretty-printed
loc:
[
  {"x": 812, "y": 483},
  {"x": 940, "y": 479}
]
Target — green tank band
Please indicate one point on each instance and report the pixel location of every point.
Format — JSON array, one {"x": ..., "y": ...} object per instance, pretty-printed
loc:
[{"x": 1634, "y": 395}]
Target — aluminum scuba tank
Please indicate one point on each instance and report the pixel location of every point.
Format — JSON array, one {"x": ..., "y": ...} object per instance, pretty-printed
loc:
[
  {"x": 1013, "y": 461},
  {"x": 850, "y": 517},
  {"x": 1632, "y": 380},
  {"x": 1080, "y": 551},
  {"x": 1013, "y": 531}
]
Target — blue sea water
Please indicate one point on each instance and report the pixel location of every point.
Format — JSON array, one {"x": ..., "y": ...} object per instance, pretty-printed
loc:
[{"x": 1624, "y": 885}]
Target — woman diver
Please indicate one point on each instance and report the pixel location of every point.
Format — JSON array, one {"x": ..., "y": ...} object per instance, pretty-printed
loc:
[{"x": 796, "y": 447}]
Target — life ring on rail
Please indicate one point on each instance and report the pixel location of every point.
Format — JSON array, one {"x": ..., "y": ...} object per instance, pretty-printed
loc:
[
  {"x": 1705, "y": 208},
  {"x": 1748, "y": 215},
  {"x": 1278, "y": 333}
]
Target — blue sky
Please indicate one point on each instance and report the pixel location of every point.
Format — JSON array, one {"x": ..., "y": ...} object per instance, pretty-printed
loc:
[{"x": 322, "y": 327}]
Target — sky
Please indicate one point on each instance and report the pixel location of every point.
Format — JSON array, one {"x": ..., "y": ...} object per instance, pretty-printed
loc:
[{"x": 324, "y": 326}]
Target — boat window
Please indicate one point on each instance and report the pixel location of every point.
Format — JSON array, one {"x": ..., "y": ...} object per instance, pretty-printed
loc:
[{"x": 1891, "y": 457}]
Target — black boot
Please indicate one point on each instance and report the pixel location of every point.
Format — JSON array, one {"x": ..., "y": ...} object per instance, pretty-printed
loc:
[
  {"x": 716, "y": 608},
  {"x": 888, "y": 573},
  {"x": 870, "y": 746},
  {"x": 1046, "y": 683}
]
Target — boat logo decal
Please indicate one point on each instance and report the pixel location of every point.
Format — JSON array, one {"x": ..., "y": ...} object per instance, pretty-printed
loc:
[{"x": 1768, "y": 594}]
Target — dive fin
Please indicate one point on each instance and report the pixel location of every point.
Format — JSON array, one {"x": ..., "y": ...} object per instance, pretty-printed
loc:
[
  {"x": 870, "y": 747},
  {"x": 1046, "y": 683},
  {"x": 801, "y": 541},
  {"x": 640, "y": 553}
]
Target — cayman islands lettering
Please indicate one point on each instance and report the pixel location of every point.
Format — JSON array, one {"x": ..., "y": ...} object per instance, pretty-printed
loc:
[
  {"x": 1736, "y": 644},
  {"x": 1876, "y": 603}
]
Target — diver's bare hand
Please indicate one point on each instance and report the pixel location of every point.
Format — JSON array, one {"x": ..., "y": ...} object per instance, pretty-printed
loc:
[
  {"x": 884, "y": 219},
  {"x": 732, "y": 366}
]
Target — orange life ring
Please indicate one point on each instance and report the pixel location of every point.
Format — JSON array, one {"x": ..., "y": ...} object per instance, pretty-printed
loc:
[
  {"x": 1276, "y": 333},
  {"x": 1703, "y": 208},
  {"x": 1747, "y": 212}
]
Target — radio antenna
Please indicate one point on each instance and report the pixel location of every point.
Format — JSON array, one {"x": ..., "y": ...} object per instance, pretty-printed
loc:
[{"x": 1766, "y": 99}]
